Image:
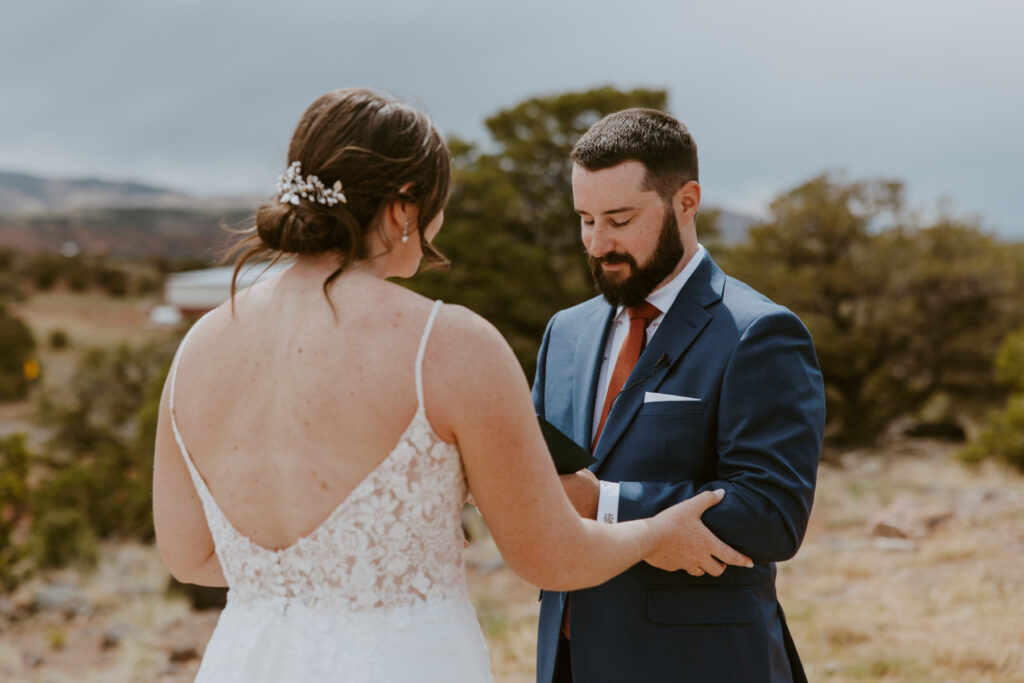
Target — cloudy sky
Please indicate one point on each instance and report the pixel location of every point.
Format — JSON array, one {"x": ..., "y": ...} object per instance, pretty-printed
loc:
[{"x": 202, "y": 95}]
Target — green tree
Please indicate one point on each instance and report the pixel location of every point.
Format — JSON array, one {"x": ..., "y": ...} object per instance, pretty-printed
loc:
[
  {"x": 957, "y": 298},
  {"x": 899, "y": 313}
]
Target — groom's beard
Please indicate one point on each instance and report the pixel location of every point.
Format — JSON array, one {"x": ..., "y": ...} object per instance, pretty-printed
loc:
[{"x": 641, "y": 280}]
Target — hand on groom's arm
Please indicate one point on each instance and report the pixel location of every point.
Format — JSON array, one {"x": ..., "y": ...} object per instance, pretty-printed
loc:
[{"x": 769, "y": 431}]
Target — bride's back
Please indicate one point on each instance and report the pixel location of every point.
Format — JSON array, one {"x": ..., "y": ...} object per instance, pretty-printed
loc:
[
  {"x": 286, "y": 408},
  {"x": 296, "y": 458}
]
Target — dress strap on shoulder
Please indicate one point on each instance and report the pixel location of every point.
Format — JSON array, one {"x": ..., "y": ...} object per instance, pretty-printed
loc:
[
  {"x": 174, "y": 368},
  {"x": 197, "y": 479},
  {"x": 422, "y": 351}
]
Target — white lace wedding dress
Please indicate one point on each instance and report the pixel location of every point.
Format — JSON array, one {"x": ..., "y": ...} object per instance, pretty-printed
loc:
[{"x": 377, "y": 592}]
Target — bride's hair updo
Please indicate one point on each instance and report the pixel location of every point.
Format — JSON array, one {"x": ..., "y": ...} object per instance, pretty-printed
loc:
[{"x": 374, "y": 146}]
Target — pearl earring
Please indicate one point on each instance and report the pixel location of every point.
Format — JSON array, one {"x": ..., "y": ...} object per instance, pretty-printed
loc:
[{"x": 405, "y": 233}]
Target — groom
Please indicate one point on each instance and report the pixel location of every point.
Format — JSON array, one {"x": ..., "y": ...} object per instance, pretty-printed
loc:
[{"x": 682, "y": 379}]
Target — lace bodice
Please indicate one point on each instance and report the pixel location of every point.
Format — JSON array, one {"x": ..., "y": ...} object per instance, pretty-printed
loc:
[{"x": 396, "y": 540}]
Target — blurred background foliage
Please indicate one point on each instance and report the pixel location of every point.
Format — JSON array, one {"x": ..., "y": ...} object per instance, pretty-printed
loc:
[
  {"x": 91, "y": 479},
  {"x": 17, "y": 346},
  {"x": 917, "y": 320}
]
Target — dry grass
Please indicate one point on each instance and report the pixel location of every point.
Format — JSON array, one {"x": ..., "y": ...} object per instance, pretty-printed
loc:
[
  {"x": 945, "y": 607},
  {"x": 90, "y": 319}
]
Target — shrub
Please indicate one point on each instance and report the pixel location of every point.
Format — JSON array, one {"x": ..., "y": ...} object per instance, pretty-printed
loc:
[
  {"x": 112, "y": 280},
  {"x": 45, "y": 270},
  {"x": 63, "y": 537},
  {"x": 15, "y": 461},
  {"x": 97, "y": 483},
  {"x": 1010, "y": 361},
  {"x": 16, "y": 348},
  {"x": 1002, "y": 436},
  {"x": 59, "y": 339}
]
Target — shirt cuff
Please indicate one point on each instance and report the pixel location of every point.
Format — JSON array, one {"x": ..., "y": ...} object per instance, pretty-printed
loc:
[{"x": 608, "y": 503}]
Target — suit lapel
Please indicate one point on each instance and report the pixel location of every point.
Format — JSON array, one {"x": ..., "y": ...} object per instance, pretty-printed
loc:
[
  {"x": 589, "y": 351},
  {"x": 682, "y": 324}
]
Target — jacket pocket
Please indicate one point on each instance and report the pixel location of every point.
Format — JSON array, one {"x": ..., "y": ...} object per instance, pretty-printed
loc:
[
  {"x": 670, "y": 408},
  {"x": 701, "y": 605}
]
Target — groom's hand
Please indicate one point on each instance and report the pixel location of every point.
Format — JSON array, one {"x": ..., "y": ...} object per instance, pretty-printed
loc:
[{"x": 583, "y": 490}]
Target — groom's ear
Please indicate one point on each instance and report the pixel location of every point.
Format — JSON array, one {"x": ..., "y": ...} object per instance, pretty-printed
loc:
[{"x": 686, "y": 201}]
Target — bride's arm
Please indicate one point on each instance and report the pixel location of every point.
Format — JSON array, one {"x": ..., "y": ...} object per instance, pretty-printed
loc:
[
  {"x": 477, "y": 394},
  {"x": 182, "y": 535}
]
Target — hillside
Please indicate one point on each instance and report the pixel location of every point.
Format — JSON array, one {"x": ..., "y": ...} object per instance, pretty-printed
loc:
[
  {"x": 124, "y": 232},
  {"x": 21, "y": 193},
  {"x": 126, "y": 219}
]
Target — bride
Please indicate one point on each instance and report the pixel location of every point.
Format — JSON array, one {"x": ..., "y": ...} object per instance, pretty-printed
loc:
[{"x": 319, "y": 434}]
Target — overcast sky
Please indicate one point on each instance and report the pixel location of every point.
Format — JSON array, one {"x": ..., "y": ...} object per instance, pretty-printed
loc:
[{"x": 202, "y": 95}]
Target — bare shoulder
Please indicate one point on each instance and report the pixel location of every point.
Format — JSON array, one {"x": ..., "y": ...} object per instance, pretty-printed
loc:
[
  {"x": 212, "y": 328},
  {"x": 468, "y": 372},
  {"x": 466, "y": 339}
]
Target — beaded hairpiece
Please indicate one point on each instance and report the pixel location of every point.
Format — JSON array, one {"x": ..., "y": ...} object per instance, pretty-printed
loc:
[{"x": 293, "y": 185}]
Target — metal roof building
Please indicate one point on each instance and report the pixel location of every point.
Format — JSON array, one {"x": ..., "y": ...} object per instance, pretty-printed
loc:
[{"x": 195, "y": 292}]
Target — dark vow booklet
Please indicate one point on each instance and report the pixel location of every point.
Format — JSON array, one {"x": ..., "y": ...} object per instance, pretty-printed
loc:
[{"x": 568, "y": 455}]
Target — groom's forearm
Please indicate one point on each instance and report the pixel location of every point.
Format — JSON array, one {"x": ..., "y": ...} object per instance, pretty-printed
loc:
[
  {"x": 769, "y": 431},
  {"x": 747, "y": 520},
  {"x": 767, "y": 465}
]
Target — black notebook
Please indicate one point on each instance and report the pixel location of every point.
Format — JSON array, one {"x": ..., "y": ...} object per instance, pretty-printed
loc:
[{"x": 568, "y": 455}]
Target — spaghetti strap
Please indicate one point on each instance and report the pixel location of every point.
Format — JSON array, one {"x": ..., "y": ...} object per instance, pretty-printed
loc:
[
  {"x": 422, "y": 351},
  {"x": 197, "y": 479}
]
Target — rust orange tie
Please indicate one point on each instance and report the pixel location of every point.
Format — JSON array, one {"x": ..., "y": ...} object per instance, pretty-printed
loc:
[{"x": 640, "y": 316}]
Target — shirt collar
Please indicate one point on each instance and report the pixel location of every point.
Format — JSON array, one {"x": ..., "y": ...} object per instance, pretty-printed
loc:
[{"x": 663, "y": 297}]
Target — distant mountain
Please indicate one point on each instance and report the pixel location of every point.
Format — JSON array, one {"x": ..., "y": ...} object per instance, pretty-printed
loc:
[
  {"x": 119, "y": 218},
  {"x": 124, "y": 232},
  {"x": 21, "y": 193}
]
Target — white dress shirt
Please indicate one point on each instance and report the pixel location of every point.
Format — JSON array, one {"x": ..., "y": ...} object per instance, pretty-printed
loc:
[{"x": 662, "y": 299}]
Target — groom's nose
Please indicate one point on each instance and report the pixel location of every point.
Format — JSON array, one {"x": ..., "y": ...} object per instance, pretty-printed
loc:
[{"x": 599, "y": 242}]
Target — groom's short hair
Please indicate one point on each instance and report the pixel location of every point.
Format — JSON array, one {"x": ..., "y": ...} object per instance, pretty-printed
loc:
[{"x": 659, "y": 141}]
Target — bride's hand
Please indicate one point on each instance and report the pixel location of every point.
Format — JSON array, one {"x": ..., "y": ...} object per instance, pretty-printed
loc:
[{"x": 687, "y": 544}]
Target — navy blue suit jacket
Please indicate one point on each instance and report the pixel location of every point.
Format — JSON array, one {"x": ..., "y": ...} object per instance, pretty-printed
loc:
[{"x": 756, "y": 431}]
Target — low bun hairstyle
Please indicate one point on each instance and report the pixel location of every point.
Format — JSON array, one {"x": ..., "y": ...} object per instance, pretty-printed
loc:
[
  {"x": 308, "y": 228},
  {"x": 375, "y": 146}
]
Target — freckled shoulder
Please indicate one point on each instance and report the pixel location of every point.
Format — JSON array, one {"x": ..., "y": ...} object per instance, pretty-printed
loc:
[{"x": 461, "y": 336}]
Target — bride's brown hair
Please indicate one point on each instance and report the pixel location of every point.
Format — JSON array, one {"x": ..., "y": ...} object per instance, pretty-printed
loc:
[{"x": 381, "y": 151}]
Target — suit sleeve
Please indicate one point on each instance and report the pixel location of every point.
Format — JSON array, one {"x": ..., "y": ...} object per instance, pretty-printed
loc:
[
  {"x": 538, "y": 379},
  {"x": 769, "y": 433}
]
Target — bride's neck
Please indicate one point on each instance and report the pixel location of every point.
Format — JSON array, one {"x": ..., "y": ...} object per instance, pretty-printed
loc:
[{"x": 322, "y": 265}]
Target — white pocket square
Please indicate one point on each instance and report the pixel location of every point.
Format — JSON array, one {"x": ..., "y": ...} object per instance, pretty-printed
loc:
[{"x": 655, "y": 397}]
